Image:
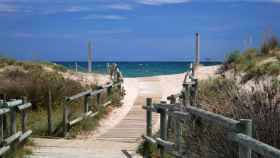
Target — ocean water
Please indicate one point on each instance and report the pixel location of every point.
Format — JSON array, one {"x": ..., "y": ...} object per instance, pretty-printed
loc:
[{"x": 137, "y": 69}]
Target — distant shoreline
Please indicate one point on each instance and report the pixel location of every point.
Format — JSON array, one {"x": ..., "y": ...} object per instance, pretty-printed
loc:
[{"x": 138, "y": 69}]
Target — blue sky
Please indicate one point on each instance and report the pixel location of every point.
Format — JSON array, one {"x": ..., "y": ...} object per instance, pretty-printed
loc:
[{"x": 132, "y": 30}]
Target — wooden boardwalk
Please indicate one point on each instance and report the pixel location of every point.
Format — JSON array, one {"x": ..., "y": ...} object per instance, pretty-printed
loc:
[{"x": 121, "y": 141}]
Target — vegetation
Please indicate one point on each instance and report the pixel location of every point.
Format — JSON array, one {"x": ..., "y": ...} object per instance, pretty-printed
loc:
[
  {"x": 254, "y": 63},
  {"x": 36, "y": 80}
]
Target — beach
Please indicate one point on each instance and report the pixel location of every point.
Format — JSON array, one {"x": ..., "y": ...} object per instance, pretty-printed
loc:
[
  {"x": 169, "y": 84},
  {"x": 119, "y": 132}
]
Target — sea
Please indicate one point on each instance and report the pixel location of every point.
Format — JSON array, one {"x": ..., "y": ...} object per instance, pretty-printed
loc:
[{"x": 136, "y": 69}]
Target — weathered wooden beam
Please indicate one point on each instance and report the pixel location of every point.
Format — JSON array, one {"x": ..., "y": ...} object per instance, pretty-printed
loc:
[
  {"x": 12, "y": 138},
  {"x": 4, "y": 111},
  {"x": 50, "y": 111},
  {"x": 96, "y": 92},
  {"x": 77, "y": 120},
  {"x": 163, "y": 129},
  {"x": 179, "y": 115},
  {"x": 65, "y": 119},
  {"x": 24, "y": 106},
  {"x": 93, "y": 114},
  {"x": 1, "y": 129},
  {"x": 150, "y": 139},
  {"x": 88, "y": 92},
  {"x": 25, "y": 135},
  {"x": 245, "y": 128},
  {"x": 4, "y": 149},
  {"x": 257, "y": 146},
  {"x": 216, "y": 118},
  {"x": 167, "y": 145},
  {"x": 13, "y": 120},
  {"x": 167, "y": 106},
  {"x": 107, "y": 85},
  {"x": 13, "y": 103},
  {"x": 107, "y": 103},
  {"x": 86, "y": 104}
]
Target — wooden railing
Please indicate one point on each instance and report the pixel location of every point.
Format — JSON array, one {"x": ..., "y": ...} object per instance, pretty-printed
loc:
[
  {"x": 183, "y": 108},
  {"x": 87, "y": 110},
  {"x": 9, "y": 135}
]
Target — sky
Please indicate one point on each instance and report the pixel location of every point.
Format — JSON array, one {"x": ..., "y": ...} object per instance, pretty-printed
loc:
[{"x": 133, "y": 30}]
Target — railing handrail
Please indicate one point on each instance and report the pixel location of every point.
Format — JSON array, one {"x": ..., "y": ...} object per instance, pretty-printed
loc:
[
  {"x": 234, "y": 125},
  {"x": 13, "y": 136}
]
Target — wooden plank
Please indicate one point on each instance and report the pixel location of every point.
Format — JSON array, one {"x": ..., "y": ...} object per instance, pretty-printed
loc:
[
  {"x": 107, "y": 85},
  {"x": 107, "y": 103},
  {"x": 4, "y": 149},
  {"x": 93, "y": 114},
  {"x": 12, "y": 138},
  {"x": 150, "y": 139},
  {"x": 13, "y": 103},
  {"x": 4, "y": 111},
  {"x": 77, "y": 120},
  {"x": 88, "y": 92},
  {"x": 258, "y": 146},
  {"x": 215, "y": 118},
  {"x": 167, "y": 145},
  {"x": 24, "y": 106},
  {"x": 181, "y": 115},
  {"x": 25, "y": 135},
  {"x": 97, "y": 91}
]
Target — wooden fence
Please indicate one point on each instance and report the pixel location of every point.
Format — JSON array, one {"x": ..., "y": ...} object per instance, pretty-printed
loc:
[
  {"x": 9, "y": 135},
  {"x": 183, "y": 108},
  {"x": 88, "y": 111}
]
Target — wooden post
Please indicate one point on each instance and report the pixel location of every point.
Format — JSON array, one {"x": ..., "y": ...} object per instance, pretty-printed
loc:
[
  {"x": 5, "y": 120},
  {"x": 197, "y": 53},
  {"x": 98, "y": 100},
  {"x": 89, "y": 57},
  {"x": 148, "y": 126},
  {"x": 86, "y": 104},
  {"x": 170, "y": 125},
  {"x": 109, "y": 91},
  {"x": 24, "y": 117},
  {"x": 65, "y": 119},
  {"x": 76, "y": 66},
  {"x": 246, "y": 128},
  {"x": 149, "y": 117},
  {"x": 1, "y": 129},
  {"x": 193, "y": 93},
  {"x": 163, "y": 129},
  {"x": 178, "y": 131},
  {"x": 50, "y": 126},
  {"x": 13, "y": 114}
]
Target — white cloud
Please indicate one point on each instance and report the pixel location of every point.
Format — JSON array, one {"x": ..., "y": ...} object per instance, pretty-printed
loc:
[
  {"x": 76, "y": 9},
  {"x": 160, "y": 2},
  {"x": 120, "y": 6},
  {"x": 104, "y": 17}
]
